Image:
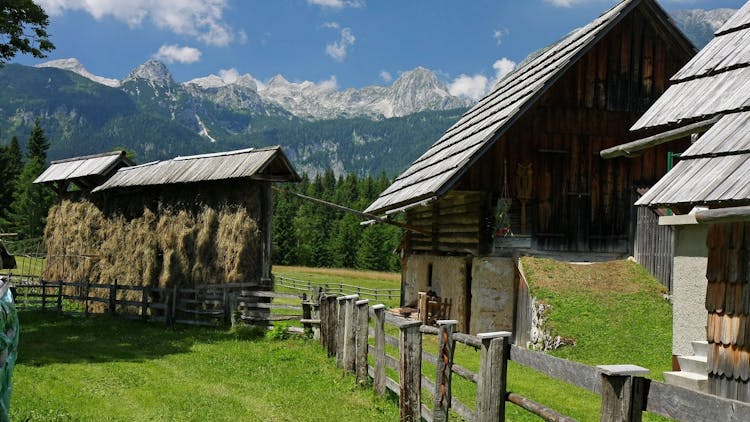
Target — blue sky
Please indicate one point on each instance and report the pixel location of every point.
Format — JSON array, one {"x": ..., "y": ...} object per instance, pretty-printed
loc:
[{"x": 351, "y": 43}]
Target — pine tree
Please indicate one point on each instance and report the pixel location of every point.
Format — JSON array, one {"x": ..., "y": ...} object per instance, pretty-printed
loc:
[
  {"x": 28, "y": 211},
  {"x": 11, "y": 163},
  {"x": 38, "y": 144}
]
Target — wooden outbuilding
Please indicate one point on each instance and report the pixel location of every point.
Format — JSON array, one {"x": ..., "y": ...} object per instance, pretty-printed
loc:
[
  {"x": 709, "y": 191},
  {"x": 85, "y": 172},
  {"x": 525, "y": 161},
  {"x": 182, "y": 222}
]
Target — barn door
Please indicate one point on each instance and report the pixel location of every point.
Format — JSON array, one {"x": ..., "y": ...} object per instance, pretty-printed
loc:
[{"x": 578, "y": 196}]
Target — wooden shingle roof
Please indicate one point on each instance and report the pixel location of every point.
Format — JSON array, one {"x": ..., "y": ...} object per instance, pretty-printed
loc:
[
  {"x": 79, "y": 169},
  {"x": 713, "y": 171},
  {"x": 270, "y": 164},
  {"x": 715, "y": 81},
  {"x": 442, "y": 165}
]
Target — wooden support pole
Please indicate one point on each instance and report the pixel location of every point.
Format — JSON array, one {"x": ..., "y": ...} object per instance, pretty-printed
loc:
[
  {"x": 378, "y": 381},
  {"x": 315, "y": 312},
  {"x": 622, "y": 392},
  {"x": 350, "y": 334},
  {"x": 324, "y": 321},
  {"x": 446, "y": 347},
  {"x": 492, "y": 377},
  {"x": 362, "y": 326},
  {"x": 307, "y": 315},
  {"x": 410, "y": 371}
]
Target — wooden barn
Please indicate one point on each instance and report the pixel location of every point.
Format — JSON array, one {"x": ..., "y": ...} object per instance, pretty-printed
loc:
[
  {"x": 709, "y": 191},
  {"x": 182, "y": 222},
  {"x": 525, "y": 160}
]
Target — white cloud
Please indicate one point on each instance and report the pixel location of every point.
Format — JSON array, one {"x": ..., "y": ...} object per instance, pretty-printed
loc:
[
  {"x": 201, "y": 19},
  {"x": 499, "y": 34},
  {"x": 386, "y": 76},
  {"x": 502, "y": 68},
  {"x": 174, "y": 53},
  {"x": 229, "y": 75},
  {"x": 473, "y": 87},
  {"x": 331, "y": 25},
  {"x": 560, "y": 3},
  {"x": 330, "y": 84},
  {"x": 340, "y": 48},
  {"x": 476, "y": 86},
  {"x": 337, "y": 4}
]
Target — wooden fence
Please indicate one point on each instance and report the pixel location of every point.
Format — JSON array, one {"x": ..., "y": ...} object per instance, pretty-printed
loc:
[
  {"x": 346, "y": 332},
  {"x": 654, "y": 246},
  {"x": 338, "y": 288},
  {"x": 207, "y": 305}
]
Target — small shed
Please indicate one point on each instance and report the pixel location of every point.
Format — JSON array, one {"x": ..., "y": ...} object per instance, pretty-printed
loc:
[
  {"x": 709, "y": 190},
  {"x": 85, "y": 172},
  {"x": 520, "y": 171},
  {"x": 182, "y": 222}
]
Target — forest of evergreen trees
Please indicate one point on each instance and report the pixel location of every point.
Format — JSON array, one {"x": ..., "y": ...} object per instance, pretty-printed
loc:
[{"x": 309, "y": 234}]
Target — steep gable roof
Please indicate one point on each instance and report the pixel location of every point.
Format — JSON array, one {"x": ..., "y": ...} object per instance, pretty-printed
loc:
[
  {"x": 438, "y": 169},
  {"x": 715, "y": 81}
]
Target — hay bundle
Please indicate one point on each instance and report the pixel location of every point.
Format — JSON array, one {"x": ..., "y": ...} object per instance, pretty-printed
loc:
[{"x": 175, "y": 247}]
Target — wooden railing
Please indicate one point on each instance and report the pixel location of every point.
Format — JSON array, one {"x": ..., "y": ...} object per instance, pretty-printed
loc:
[
  {"x": 338, "y": 288},
  {"x": 346, "y": 333},
  {"x": 207, "y": 305}
]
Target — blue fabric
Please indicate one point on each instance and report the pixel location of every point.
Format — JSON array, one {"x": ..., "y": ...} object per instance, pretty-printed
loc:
[{"x": 8, "y": 351}]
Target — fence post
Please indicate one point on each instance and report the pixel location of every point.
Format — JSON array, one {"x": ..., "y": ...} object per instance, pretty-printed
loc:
[
  {"x": 307, "y": 314},
  {"x": 410, "y": 371},
  {"x": 363, "y": 323},
  {"x": 324, "y": 321},
  {"x": 622, "y": 391},
  {"x": 144, "y": 302},
  {"x": 340, "y": 330},
  {"x": 112, "y": 297},
  {"x": 317, "y": 294},
  {"x": 446, "y": 347},
  {"x": 378, "y": 380},
  {"x": 492, "y": 376},
  {"x": 59, "y": 297},
  {"x": 331, "y": 323},
  {"x": 44, "y": 294},
  {"x": 350, "y": 332}
]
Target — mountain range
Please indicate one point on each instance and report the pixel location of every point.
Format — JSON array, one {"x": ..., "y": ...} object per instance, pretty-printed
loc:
[{"x": 365, "y": 131}]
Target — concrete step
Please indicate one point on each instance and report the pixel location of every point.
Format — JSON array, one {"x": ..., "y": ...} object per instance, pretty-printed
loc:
[
  {"x": 700, "y": 348},
  {"x": 696, "y": 364},
  {"x": 687, "y": 380}
]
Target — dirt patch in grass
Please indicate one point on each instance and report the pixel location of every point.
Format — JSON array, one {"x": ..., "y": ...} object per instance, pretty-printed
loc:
[{"x": 601, "y": 277}]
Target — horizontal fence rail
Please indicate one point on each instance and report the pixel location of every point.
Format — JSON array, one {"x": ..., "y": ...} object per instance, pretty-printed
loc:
[
  {"x": 351, "y": 330},
  {"x": 338, "y": 288}
]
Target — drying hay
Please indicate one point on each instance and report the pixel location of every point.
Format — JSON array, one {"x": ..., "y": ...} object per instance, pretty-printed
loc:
[{"x": 166, "y": 248}]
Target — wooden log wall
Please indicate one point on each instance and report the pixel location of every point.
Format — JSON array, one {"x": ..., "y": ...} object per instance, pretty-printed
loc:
[
  {"x": 456, "y": 221},
  {"x": 654, "y": 246},
  {"x": 728, "y": 306},
  {"x": 582, "y": 202}
]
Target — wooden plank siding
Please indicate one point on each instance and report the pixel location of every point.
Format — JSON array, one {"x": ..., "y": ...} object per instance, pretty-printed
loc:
[
  {"x": 654, "y": 246},
  {"x": 582, "y": 202}
]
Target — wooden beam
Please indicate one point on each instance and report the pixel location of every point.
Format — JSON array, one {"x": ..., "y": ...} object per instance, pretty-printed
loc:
[
  {"x": 724, "y": 215},
  {"x": 628, "y": 149},
  {"x": 355, "y": 212}
]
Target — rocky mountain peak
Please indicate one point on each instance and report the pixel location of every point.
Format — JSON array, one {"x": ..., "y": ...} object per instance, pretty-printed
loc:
[
  {"x": 72, "y": 64},
  {"x": 700, "y": 25},
  {"x": 153, "y": 70}
]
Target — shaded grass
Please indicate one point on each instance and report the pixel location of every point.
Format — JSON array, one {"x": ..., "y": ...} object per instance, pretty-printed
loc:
[{"x": 103, "y": 368}]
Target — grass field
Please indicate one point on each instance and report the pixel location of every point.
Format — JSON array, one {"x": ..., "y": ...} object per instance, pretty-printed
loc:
[
  {"x": 110, "y": 369},
  {"x": 102, "y": 368}
]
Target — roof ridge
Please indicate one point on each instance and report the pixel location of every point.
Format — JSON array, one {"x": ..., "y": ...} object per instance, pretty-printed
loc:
[{"x": 88, "y": 157}]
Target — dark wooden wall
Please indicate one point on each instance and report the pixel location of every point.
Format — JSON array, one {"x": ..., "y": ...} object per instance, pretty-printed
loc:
[{"x": 580, "y": 201}]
